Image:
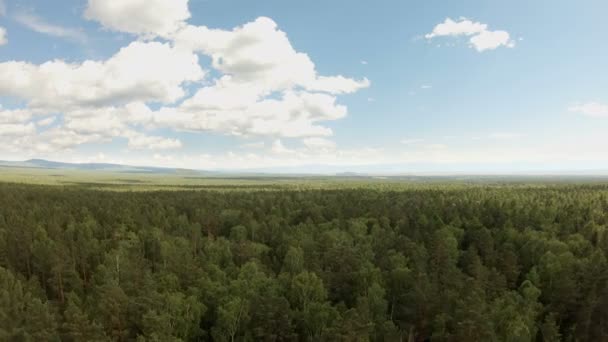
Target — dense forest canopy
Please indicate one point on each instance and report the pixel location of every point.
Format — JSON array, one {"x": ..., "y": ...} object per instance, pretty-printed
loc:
[{"x": 466, "y": 263}]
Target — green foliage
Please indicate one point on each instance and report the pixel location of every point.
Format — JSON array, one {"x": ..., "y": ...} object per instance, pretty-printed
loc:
[{"x": 363, "y": 262}]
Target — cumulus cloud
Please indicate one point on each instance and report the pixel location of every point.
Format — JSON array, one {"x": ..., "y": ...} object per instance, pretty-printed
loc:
[
  {"x": 20, "y": 130},
  {"x": 293, "y": 114},
  {"x": 338, "y": 84},
  {"x": 110, "y": 122},
  {"x": 102, "y": 123},
  {"x": 14, "y": 116},
  {"x": 16, "y": 129},
  {"x": 254, "y": 145},
  {"x": 262, "y": 86},
  {"x": 456, "y": 28},
  {"x": 591, "y": 109},
  {"x": 25, "y": 139},
  {"x": 133, "y": 74},
  {"x": 140, "y": 17},
  {"x": 35, "y": 23},
  {"x": 46, "y": 122},
  {"x": 480, "y": 38},
  {"x": 316, "y": 143},
  {"x": 266, "y": 87},
  {"x": 3, "y": 36},
  {"x": 279, "y": 148},
  {"x": 261, "y": 55},
  {"x": 490, "y": 40},
  {"x": 140, "y": 141}
]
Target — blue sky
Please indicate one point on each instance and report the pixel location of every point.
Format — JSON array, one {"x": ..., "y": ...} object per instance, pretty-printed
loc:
[{"x": 388, "y": 86}]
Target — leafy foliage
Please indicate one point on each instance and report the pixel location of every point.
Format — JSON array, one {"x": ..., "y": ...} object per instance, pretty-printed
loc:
[{"x": 442, "y": 263}]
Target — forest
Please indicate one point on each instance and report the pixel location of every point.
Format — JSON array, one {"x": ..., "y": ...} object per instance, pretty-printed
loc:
[{"x": 510, "y": 262}]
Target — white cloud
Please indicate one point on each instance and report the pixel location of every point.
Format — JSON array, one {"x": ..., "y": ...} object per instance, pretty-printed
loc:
[
  {"x": 140, "y": 141},
  {"x": 338, "y": 84},
  {"x": 16, "y": 129},
  {"x": 133, "y": 74},
  {"x": 100, "y": 122},
  {"x": 110, "y": 122},
  {"x": 264, "y": 87},
  {"x": 490, "y": 40},
  {"x": 3, "y": 36},
  {"x": 456, "y": 28},
  {"x": 39, "y": 25},
  {"x": 14, "y": 116},
  {"x": 46, "y": 122},
  {"x": 58, "y": 139},
  {"x": 591, "y": 109},
  {"x": 293, "y": 114},
  {"x": 426, "y": 86},
  {"x": 260, "y": 55},
  {"x": 23, "y": 139},
  {"x": 254, "y": 145},
  {"x": 267, "y": 87},
  {"x": 141, "y": 17},
  {"x": 255, "y": 52},
  {"x": 316, "y": 143},
  {"x": 279, "y": 148},
  {"x": 364, "y": 62},
  {"x": 481, "y": 38}
]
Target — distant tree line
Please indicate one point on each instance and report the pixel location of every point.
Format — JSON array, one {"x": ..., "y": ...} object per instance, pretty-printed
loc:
[{"x": 479, "y": 263}]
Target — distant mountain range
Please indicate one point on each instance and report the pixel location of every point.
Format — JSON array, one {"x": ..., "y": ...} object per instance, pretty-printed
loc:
[
  {"x": 353, "y": 171},
  {"x": 46, "y": 164},
  {"x": 120, "y": 168}
]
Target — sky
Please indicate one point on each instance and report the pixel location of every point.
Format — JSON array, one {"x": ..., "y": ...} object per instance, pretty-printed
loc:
[{"x": 313, "y": 86}]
